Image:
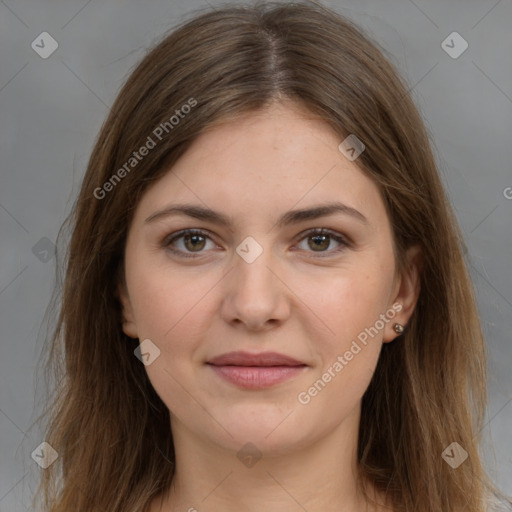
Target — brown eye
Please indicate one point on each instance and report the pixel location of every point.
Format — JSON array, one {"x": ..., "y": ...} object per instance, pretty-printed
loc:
[
  {"x": 320, "y": 240},
  {"x": 187, "y": 243},
  {"x": 194, "y": 242}
]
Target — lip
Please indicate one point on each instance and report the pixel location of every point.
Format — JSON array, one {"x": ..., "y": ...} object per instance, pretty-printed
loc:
[
  {"x": 255, "y": 371},
  {"x": 247, "y": 359}
]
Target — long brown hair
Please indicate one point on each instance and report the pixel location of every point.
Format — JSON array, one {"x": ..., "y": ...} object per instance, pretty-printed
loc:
[{"x": 108, "y": 425}]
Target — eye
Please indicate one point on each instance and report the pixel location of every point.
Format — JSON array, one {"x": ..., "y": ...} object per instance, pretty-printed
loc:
[
  {"x": 187, "y": 241},
  {"x": 190, "y": 243},
  {"x": 320, "y": 239}
]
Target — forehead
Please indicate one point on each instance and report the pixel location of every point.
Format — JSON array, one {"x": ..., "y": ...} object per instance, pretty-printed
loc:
[{"x": 277, "y": 158}]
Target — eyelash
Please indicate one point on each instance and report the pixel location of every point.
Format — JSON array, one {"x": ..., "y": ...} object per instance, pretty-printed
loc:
[{"x": 166, "y": 243}]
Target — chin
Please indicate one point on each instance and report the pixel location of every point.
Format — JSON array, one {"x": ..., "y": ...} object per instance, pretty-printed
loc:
[{"x": 271, "y": 430}]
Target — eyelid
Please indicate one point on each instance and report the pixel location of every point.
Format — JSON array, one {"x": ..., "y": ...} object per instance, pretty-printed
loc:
[{"x": 340, "y": 238}]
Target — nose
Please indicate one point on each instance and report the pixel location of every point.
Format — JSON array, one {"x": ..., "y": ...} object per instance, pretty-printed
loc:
[{"x": 255, "y": 294}]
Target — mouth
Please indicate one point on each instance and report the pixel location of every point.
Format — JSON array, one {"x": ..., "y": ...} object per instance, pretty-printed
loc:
[{"x": 255, "y": 371}]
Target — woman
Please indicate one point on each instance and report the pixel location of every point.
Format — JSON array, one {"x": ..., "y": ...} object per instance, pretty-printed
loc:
[{"x": 266, "y": 305}]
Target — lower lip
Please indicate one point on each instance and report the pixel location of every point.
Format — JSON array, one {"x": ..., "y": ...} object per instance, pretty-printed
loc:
[{"x": 257, "y": 377}]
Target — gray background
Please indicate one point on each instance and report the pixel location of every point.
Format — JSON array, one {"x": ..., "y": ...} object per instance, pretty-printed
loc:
[{"x": 51, "y": 110}]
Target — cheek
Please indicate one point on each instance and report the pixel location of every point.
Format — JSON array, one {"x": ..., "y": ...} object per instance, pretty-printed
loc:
[
  {"x": 350, "y": 303},
  {"x": 351, "y": 307},
  {"x": 170, "y": 305},
  {"x": 172, "y": 309}
]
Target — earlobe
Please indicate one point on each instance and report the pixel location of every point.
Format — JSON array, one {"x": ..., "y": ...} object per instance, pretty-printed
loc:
[
  {"x": 128, "y": 319},
  {"x": 406, "y": 295}
]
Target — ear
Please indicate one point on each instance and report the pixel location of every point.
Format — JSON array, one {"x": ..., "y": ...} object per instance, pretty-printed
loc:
[
  {"x": 129, "y": 325},
  {"x": 406, "y": 292}
]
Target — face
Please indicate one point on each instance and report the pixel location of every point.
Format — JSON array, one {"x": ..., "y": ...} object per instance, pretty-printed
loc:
[{"x": 270, "y": 313}]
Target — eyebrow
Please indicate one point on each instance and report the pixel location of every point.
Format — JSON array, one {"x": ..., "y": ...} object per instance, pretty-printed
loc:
[{"x": 289, "y": 218}]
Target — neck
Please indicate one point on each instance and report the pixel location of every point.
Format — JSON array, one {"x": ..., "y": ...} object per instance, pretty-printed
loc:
[{"x": 319, "y": 476}]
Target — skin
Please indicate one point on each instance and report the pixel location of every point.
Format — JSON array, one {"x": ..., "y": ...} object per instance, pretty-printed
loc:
[{"x": 296, "y": 298}]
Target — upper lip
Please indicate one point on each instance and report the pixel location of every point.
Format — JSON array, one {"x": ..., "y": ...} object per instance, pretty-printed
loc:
[{"x": 248, "y": 359}]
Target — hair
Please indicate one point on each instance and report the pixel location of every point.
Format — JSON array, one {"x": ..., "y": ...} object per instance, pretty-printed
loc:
[{"x": 105, "y": 420}]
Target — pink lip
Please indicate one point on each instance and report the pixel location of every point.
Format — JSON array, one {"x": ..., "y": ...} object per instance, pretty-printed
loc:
[{"x": 255, "y": 371}]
